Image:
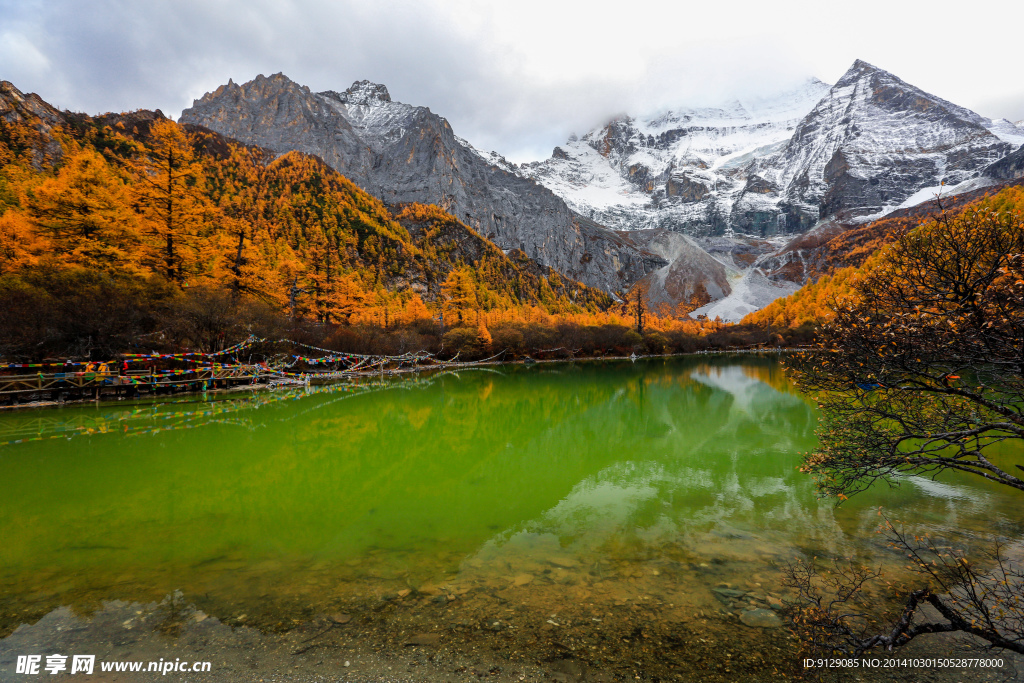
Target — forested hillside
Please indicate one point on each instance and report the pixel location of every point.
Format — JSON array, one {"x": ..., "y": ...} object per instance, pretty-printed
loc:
[
  {"x": 128, "y": 230},
  {"x": 863, "y": 250}
]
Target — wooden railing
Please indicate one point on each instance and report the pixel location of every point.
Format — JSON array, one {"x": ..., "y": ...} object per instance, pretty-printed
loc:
[{"x": 43, "y": 382}]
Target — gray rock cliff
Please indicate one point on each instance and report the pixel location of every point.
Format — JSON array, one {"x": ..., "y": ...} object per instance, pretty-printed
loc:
[{"x": 1009, "y": 167}]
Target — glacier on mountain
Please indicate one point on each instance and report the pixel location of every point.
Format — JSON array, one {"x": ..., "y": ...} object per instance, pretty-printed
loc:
[{"x": 680, "y": 169}]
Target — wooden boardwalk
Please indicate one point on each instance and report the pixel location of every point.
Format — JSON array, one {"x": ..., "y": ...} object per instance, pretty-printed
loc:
[{"x": 98, "y": 383}]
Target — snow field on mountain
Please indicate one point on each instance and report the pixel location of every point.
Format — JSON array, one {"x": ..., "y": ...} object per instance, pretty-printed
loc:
[
  {"x": 928, "y": 194},
  {"x": 709, "y": 146},
  {"x": 751, "y": 291},
  {"x": 1006, "y": 131},
  {"x": 587, "y": 181}
]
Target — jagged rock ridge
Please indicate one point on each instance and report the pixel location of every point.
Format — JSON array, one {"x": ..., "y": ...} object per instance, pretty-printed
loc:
[{"x": 18, "y": 108}]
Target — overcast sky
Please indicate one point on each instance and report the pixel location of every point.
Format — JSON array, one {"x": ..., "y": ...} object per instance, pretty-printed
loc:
[{"x": 518, "y": 76}]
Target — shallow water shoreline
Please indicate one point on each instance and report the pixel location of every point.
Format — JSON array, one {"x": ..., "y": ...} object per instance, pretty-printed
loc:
[
  {"x": 414, "y": 370},
  {"x": 390, "y": 644}
]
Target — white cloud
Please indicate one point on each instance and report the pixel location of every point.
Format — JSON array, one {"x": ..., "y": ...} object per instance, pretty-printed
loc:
[
  {"x": 514, "y": 77},
  {"x": 18, "y": 54}
]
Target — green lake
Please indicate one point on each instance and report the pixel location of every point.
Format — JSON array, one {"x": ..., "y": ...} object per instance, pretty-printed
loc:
[{"x": 552, "y": 486}]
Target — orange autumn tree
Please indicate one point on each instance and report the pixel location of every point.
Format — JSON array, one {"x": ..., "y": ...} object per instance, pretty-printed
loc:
[
  {"x": 350, "y": 300},
  {"x": 415, "y": 310},
  {"x": 85, "y": 211},
  {"x": 167, "y": 193},
  {"x": 459, "y": 296},
  {"x": 21, "y": 244},
  {"x": 483, "y": 336}
]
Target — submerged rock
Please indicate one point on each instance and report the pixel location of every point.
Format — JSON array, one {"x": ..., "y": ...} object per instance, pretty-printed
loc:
[
  {"x": 761, "y": 618},
  {"x": 727, "y": 595},
  {"x": 424, "y": 639},
  {"x": 563, "y": 562}
]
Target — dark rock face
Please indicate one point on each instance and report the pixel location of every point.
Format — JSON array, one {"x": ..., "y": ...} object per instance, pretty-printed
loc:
[
  {"x": 1009, "y": 167},
  {"x": 757, "y": 222},
  {"x": 759, "y": 185},
  {"x": 687, "y": 189},
  {"x": 559, "y": 153},
  {"x": 403, "y": 153}
]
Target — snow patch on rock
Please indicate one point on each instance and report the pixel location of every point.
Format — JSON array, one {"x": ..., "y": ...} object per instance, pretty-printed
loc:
[
  {"x": 751, "y": 292},
  {"x": 1006, "y": 131},
  {"x": 928, "y": 194}
]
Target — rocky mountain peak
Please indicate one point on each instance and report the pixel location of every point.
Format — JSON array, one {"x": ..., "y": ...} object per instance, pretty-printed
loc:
[
  {"x": 8, "y": 89},
  {"x": 363, "y": 93},
  {"x": 404, "y": 153},
  {"x": 19, "y": 107},
  {"x": 12, "y": 99},
  {"x": 862, "y": 67},
  {"x": 864, "y": 73},
  {"x": 262, "y": 87},
  {"x": 872, "y": 143},
  {"x": 277, "y": 79},
  {"x": 881, "y": 88}
]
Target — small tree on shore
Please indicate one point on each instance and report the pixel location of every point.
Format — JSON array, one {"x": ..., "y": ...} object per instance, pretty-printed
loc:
[
  {"x": 637, "y": 305},
  {"x": 923, "y": 369}
]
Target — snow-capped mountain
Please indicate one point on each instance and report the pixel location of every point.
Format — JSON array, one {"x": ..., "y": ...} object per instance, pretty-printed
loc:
[
  {"x": 679, "y": 170},
  {"x": 870, "y": 144},
  {"x": 779, "y": 165}
]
